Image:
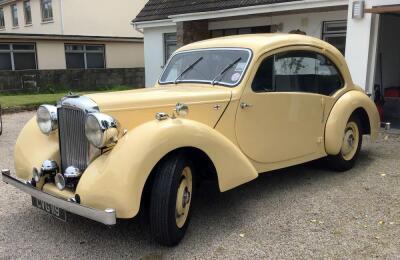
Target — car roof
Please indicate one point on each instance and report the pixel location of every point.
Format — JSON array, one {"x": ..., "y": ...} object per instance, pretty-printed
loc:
[{"x": 260, "y": 43}]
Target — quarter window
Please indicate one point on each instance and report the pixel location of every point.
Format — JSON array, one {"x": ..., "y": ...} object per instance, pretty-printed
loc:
[
  {"x": 80, "y": 56},
  {"x": 27, "y": 12},
  {"x": 18, "y": 56},
  {"x": 14, "y": 15},
  {"x": 298, "y": 71},
  {"x": 2, "y": 22},
  {"x": 47, "y": 10}
]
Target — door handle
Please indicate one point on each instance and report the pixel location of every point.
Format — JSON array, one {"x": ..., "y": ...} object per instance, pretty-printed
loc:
[{"x": 245, "y": 105}]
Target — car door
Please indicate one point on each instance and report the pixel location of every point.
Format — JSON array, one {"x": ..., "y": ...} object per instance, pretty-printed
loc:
[{"x": 282, "y": 114}]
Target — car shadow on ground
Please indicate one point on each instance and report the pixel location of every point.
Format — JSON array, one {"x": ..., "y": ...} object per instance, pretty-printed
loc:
[{"x": 212, "y": 210}]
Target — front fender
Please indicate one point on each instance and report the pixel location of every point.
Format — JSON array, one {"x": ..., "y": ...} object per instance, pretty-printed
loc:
[
  {"x": 340, "y": 114},
  {"x": 117, "y": 179},
  {"x": 32, "y": 148}
]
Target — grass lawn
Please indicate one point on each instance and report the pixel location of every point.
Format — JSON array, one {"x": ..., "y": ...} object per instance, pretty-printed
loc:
[{"x": 33, "y": 100}]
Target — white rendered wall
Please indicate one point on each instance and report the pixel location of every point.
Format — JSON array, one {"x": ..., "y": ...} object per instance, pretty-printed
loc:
[
  {"x": 311, "y": 23},
  {"x": 361, "y": 44},
  {"x": 154, "y": 52}
]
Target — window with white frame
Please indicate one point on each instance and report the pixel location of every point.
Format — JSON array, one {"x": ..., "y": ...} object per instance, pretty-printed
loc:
[
  {"x": 84, "y": 56},
  {"x": 18, "y": 56},
  {"x": 2, "y": 22},
  {"x": 47, "y": 10},
  {"x": 334, "y": 32},
  {"x": 170, "y": 45},
  {"x": 27, "y": 12},
  {"x": 14, "y": 15}
]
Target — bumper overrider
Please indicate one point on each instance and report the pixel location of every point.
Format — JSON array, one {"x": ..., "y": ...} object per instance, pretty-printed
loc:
[{"x": 107, "y": 216}]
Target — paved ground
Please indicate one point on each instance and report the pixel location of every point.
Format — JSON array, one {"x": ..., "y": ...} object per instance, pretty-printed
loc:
[{"x": 302, "y": 212}]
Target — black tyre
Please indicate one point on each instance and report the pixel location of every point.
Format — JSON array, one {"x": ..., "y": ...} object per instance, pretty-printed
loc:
[
  {"x": 171, "y": 197},
  {"x": 351, "y": 145}
]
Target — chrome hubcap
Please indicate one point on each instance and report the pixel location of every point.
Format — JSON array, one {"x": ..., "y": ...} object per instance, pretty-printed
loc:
[{"x": 184, "y": 197}]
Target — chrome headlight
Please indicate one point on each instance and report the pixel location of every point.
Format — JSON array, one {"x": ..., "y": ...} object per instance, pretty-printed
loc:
[
  {"x": 101, "y": 130},
  {"x": 46, "y": 117}
]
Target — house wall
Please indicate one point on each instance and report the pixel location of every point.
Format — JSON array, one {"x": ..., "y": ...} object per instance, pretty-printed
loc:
[
  {"x": 124, "y": 55},
  {"x": 101, "y": 17},
  {"x": 37, "y": 26},
  {"x": 311, "y": 23},
  {"x": 154, "y": 52},
  {"x": 77, "y": 17}
]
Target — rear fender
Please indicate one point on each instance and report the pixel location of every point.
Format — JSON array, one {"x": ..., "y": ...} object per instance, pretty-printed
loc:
[{"x": 340, "y": 115}]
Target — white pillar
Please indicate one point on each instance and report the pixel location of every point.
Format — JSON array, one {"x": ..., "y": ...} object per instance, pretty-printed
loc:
[{"x": 358, "y": 41}]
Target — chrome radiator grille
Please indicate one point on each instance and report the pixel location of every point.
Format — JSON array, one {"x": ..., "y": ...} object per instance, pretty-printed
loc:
[{"x": 74, "y": 146}]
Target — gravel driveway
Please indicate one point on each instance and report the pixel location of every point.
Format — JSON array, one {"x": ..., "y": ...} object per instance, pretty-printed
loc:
[{"x": 301, "y": 212}]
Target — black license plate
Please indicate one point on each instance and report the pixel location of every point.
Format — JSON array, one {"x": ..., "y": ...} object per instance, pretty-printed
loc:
[{"x": 51, "y": 209}]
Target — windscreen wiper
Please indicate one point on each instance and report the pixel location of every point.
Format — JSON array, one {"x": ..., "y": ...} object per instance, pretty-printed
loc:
[
  {"x": 221, "y": 74},
  {"x": 188, "y": 69}
]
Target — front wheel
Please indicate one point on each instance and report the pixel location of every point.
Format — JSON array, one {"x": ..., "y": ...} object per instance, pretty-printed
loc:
[
  {"x": 351, "y": 145},
  {"x": 171, "y": 198}
]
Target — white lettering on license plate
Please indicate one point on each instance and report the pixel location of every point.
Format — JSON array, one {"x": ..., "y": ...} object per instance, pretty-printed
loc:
[{"x": 51, "y": 209}]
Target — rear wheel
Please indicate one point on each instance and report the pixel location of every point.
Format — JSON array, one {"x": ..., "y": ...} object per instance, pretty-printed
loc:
[
  {"x": 171, "y": 199},
  {"x": 351, "y": 145}
]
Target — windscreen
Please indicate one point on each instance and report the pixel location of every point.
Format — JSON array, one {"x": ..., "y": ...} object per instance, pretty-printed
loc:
[{"x": 211, "y": 66}]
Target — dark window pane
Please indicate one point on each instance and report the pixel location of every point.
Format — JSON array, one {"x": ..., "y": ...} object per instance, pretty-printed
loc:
[
  {"x": 329, "y": 78},
  {"x": 263, "y": 80},
  {"x": 339, "y": 41},
  {"x": 95, "y": 60},
  {"x": 244, "y": 31},
  {"x": 2, "y": 22},
  {"x": 261, "y": 29},
  {"x": 5, "y": 61},
  {"x": 14, "y": 15},
  {"x": 75, "y": 60},
  {"x": 4, "y": 46},
  {"x": 23, "y": 47},
  {"x": 95, "y": 48},
  {"x": 27, "y": 12},
  {"x": 24, "y": 61},
  {"x": 73, "y": 47},
  {"x": 229, "y": 32},
  {"x": 217, "y": 33}
]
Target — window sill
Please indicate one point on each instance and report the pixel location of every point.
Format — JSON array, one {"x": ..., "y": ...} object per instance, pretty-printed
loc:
[
  {"x": 15, "y": 27},
  {"x": 47, "y": 22},
  {"x": 28, "y": 25},
  {"x": 2, "y": 29}
]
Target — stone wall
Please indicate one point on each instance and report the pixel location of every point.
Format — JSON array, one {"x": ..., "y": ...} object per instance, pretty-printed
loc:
[
  {"x": 191, "y": 31},
  {"x": 76, "y": 79}
]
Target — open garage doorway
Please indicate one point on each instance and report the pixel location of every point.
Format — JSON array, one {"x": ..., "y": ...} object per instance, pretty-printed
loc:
[{"x": 387, "y": 69}]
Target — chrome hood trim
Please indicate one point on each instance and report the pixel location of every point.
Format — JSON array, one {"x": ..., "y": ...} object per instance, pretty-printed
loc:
[{"x": 80, "y": 102}]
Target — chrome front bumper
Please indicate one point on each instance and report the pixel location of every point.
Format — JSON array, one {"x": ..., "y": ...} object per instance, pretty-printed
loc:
[{"x": 107, "y": 217}]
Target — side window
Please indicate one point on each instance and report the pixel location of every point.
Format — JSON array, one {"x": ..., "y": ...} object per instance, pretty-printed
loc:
[
  {"x": 298, "y": 71},
  {"x": 263, "y": 80}
]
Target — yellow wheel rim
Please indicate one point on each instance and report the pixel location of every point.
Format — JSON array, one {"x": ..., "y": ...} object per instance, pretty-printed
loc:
[
  {"x": 350, "y": 141},
  {"x": 184, "y": 197}
]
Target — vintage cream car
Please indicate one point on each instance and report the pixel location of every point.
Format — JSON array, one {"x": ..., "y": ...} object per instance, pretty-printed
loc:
[{"x": 228, "y": 108}]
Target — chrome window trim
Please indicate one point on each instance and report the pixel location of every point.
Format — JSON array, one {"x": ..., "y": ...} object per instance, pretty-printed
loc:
[{"x": 209, "y": 81}]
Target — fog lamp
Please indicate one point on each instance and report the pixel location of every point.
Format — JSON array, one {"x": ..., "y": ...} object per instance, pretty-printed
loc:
[
  {"x": 60, "y": 181},
  {"x": 36, "y": 175}
]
